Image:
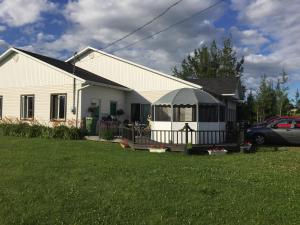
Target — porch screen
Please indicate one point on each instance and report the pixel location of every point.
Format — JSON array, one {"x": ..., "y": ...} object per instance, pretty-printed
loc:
[
  {"x": 208, "y": 113},
  {"x": 184, "y": 114},
  {"x": 162, "y": 113}
]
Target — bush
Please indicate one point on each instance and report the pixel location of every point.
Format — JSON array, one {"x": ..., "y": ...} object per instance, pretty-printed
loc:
[
  {"x": 37, "y": 130},
  {"x": 107, "y": 134}
]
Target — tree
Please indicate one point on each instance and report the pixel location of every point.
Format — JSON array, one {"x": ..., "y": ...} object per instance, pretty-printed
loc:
[
  {"x": 283, "y": 103},
  {"x": 250, "y": 108},
  {"x": 297, "y": 99},
  {"x": 211, "y": 62}
]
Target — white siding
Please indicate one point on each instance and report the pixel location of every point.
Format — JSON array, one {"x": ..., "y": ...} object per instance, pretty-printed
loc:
[
  {"x": 105, "y": 96},
  {"x": 146, "y": 83},
  {"x": 21, "y": 75}
]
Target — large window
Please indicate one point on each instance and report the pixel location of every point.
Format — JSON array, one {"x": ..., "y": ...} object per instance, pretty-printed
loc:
[
  {"x": 140, "y": 112},
  {"x": 113, "y": 108},
  {"x": 184, "y": 114},
  {"x": 1, "y": 107},
  {"x": 162, "y": 113},
  {"x": 208, "y": 113},
  {"x": 58, "y": 106},
  {"x": 27, "y": 107}
]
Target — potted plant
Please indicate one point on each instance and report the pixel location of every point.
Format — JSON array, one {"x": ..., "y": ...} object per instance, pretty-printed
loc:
[
  {"x": 124, "y": 143},
  {"x": 158, "y": 148},
  {"x": 217, "y": 151}
]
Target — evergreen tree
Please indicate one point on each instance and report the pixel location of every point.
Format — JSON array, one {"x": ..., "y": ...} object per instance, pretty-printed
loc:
[{"x": 211, "y": 62}]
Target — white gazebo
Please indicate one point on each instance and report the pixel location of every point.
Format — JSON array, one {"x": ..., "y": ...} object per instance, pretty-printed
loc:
[{"x": 203, "y": 112}]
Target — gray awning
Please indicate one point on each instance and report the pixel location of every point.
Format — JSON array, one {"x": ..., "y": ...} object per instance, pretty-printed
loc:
[{"x": 187, "y": 96}]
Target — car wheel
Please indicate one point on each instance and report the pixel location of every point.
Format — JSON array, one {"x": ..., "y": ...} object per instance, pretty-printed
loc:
[{"x": 259, "y": 139}]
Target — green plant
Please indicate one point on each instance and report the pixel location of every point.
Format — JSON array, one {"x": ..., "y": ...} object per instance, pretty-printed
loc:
[
  {"x": 21, "y": 129},
  {"x": 107, "y": 134}
]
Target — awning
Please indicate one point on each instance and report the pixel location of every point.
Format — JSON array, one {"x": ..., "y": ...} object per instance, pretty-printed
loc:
[{"x": 187, "y": 96}]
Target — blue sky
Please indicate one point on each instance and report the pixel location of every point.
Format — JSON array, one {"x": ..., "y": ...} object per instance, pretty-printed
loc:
[{"x": 266, "y": 32}]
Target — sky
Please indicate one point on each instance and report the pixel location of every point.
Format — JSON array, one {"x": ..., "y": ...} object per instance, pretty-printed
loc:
[{"x": 265, "y": 32}]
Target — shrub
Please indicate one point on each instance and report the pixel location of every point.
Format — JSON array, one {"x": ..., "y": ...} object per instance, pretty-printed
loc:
[
  {"x": 107, "y": 134},
  {"x": 21, "y": 129}
]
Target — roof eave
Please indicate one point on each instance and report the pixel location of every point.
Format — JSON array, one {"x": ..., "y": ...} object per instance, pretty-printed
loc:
[{"x": 92, "y": 83}]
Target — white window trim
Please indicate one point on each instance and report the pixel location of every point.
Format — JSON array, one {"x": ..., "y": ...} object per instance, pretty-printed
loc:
[
  {"x": 58, "y": 107},
  {"x": 23, "y": 97}
]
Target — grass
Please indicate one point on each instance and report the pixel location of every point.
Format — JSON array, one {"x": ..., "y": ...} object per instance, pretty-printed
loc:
[{"x": 79, "y": 182}]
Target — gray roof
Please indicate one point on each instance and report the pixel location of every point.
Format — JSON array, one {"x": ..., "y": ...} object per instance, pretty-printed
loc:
[
  {"x": 218, "y": 85},
  {"x": 187, "y": 96}
]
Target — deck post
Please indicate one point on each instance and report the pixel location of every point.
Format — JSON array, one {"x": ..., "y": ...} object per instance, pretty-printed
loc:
[{"x": 133, "y": 134}]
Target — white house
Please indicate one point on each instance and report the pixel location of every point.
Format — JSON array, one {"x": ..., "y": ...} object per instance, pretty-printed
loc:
[{"x": 36, "y": 87}]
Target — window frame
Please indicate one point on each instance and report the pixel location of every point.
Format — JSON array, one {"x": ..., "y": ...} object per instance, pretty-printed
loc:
[
  {"x": 65, "y": 108},
  {"x": 1, "y": 107},
  {"x": 177, "y": 112},
  {"x": 21, "y": 107}
]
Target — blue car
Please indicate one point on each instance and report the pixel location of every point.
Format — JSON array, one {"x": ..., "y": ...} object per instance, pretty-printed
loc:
[{"x": 280, "y": 132}]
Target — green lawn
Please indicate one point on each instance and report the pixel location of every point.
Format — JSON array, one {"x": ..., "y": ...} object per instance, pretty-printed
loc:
[{"x": 80, "y": 182}]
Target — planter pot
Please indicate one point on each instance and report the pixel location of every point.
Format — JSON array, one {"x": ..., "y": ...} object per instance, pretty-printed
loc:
[
  {"x": 157, "y": 150},
  {"x": 223, "y": 152},
  {"x": 124, "y": 146}
]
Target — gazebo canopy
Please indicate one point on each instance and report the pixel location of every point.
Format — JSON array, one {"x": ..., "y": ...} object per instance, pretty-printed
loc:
[{"x": 187, "y": 96}]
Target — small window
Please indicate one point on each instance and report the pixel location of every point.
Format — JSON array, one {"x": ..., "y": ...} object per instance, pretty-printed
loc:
[
  {"x": 113, "y": 108},
  {"x": 184, "y": 113},
  {"x": 58, "y": 107},
  {"x": 27, "y": 107},
  {"x": 1, "y": 107}
]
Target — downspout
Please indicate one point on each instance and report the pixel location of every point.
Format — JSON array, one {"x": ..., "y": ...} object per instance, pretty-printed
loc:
[
  {"x": 77, "y": 108},
  {"x": 74, "y": 85}
]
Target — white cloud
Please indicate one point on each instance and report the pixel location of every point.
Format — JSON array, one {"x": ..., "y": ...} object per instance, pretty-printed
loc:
[
  {"x": 248, "y": 37},
  {"x": 98, "y": 24},
  {"x": 277, "y": 20},
  {"x": 21, "y": 12}
]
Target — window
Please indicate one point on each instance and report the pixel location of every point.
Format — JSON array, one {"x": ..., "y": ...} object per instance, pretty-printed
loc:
[
  {"x": 58, "y": 106},
  {"x": 27, "y": 107},
  {"x": 208, "y": 113},
  {"x": 184, "y": 114},
  {"x": 113, "y": 108},
  {"x": 1, "y": 107},
  {"x": 297, "y": 123},
  {"x": 284, "y": 124},
  {"x": 140, "y": 112},
  {"x": 162, "y": 113}
]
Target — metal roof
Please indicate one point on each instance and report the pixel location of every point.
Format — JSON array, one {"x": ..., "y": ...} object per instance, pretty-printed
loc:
[{"x": 187, "y": 96}]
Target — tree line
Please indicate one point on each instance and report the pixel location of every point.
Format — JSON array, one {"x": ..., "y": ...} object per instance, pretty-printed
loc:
[{"x": 271, "y": 97}]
